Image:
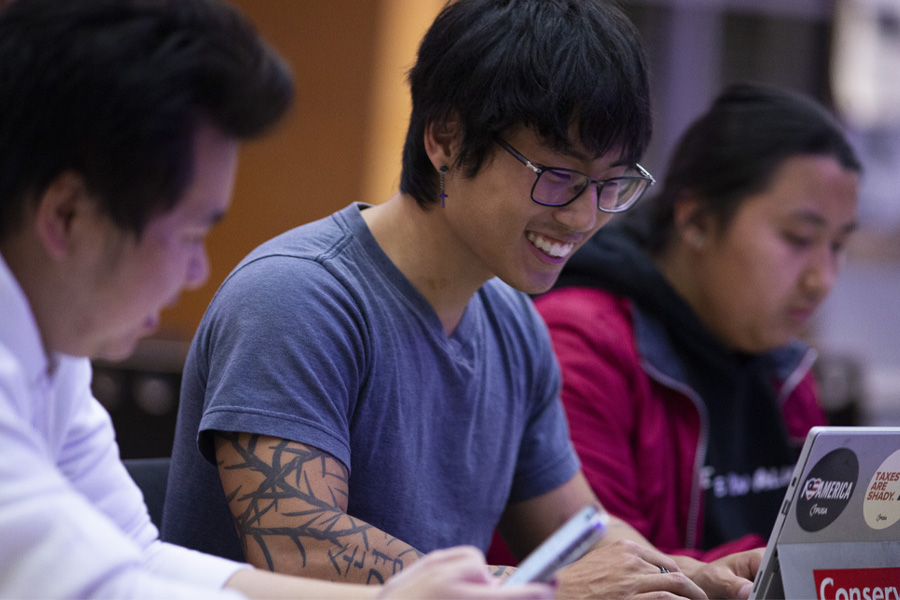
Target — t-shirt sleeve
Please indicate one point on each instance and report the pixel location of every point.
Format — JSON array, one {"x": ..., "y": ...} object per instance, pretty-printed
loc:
[
  {"x": 284, "y": 341},
  {"x": 546, "y": 456}
]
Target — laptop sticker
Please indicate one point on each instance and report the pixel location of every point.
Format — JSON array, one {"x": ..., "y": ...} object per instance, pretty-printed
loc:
[
  {"x": 827, "y": 489},
  {"x": 864, "y": 584},
  {"x": 881, "y": 507}
]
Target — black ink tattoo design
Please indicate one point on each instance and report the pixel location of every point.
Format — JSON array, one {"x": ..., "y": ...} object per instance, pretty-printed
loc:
[{"x": 285, "y": 477}]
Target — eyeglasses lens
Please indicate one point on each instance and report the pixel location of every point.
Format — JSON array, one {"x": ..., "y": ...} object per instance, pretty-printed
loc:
[{"x": 556, "y": 187}]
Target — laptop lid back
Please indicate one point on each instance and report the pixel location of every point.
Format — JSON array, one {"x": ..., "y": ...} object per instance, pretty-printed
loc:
[{"x": 838, "y": 532}]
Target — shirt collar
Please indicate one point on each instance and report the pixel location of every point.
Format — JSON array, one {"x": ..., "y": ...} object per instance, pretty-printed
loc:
[{"x": 18, "y": 329}]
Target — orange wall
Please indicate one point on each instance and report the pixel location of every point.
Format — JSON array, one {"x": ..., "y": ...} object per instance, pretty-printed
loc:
[
  {"x": 310, "y": 166},
  {"x": 341, "y": 142}
]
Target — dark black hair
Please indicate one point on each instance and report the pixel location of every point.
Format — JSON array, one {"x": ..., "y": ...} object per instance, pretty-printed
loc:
[
  {"x": 548, "y": 64},
  {"x": 734, "y": 150},
  {"x": 115, "y": 90}
]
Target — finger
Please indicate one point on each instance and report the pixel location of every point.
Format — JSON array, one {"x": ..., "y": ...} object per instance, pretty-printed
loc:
[
  {"x": 655, "y": 559},
  {"x": 676, "y": 583},
  {"x": 736, "y": 586},
  {"x": 745, "y": 564},
  {"x": 753, "y": 559}
]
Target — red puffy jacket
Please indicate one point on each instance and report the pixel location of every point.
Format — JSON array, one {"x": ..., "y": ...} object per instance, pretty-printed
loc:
[{"x": 639, "y": 435}]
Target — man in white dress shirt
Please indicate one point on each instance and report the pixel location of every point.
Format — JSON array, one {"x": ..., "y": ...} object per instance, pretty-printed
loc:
[{"x": 119, "y": 127}]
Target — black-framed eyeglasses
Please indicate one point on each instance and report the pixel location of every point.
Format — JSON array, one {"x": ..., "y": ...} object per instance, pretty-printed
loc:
[{"x": 557, "y": 186}]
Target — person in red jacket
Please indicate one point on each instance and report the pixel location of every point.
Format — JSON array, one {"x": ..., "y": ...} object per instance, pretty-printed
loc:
[{"x": 687, "y": 390}]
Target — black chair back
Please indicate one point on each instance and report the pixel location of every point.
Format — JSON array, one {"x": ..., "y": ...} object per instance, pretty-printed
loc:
[{"x": 152, "y": 476}]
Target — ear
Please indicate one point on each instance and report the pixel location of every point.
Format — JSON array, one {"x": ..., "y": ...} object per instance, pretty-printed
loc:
[
  {"x": 692, "y": 224},
  {"x": 60, "y": 211},
  {"x": 441, "y": 141}
]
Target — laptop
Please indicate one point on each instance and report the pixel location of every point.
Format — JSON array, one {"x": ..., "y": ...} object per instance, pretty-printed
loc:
[{"x": 838, "y": 532}]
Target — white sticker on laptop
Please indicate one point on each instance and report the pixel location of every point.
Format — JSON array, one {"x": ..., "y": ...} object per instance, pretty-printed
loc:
[{"x": 881, "y": 507}]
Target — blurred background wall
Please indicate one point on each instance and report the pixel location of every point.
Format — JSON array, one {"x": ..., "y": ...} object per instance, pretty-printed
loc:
[{"x": 342, "y": 143}]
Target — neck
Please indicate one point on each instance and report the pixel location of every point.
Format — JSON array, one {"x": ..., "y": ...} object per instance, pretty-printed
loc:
[
  {"x": 674, "y": 262},
  {"x": 29, "y": 266},
  {"x": 679, "y": 266},
  {"x": 423, "y": 247}
]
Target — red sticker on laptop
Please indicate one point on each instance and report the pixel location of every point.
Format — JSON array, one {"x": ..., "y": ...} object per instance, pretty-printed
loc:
[{"x": 864, "y": 584}]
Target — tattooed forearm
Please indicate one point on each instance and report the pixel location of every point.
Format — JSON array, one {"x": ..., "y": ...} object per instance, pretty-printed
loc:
[{"x": 289, "y": 500}]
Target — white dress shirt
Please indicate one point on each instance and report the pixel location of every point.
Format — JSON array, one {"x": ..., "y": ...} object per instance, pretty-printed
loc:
[{"x": 72, "y": 522}]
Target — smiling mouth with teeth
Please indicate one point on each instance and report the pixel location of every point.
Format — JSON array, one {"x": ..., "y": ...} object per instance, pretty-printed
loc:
[{"x": 549, "y": 247}]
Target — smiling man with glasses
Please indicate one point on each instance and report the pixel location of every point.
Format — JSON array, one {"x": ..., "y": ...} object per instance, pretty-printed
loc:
[{"x": 377, "y": 384}]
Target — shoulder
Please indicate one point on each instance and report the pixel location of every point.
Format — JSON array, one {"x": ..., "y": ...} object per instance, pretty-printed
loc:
[
  {"x": 305, "y": 268},
  {"x": 586, "y": 308},
  {"x": 14, "y": 402},
  {"x": 591, "y": 329},
  {"x": 801, "y": 399},
  {"x": 71, "y": 383},
  {"x": 510, "y": 311},
  {"x": 315, "y": 240},
  {"x": 308, "y": 249},
  {"x": 506, "y": 302},
  {"x": 516, "y": 333}
]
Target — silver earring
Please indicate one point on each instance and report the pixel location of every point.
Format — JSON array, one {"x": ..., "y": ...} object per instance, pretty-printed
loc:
[
  {"x": 443, "y": 170},
  {"x": 697, "y": 238}
]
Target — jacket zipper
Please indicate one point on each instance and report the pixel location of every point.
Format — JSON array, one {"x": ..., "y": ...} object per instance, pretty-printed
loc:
[{"x": 702, "y": 441}]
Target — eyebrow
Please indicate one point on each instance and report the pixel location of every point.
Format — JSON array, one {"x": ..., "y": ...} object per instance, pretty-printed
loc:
[
  {"x": 577, "y": 155},
  {"x": 585, "y": 158},
  {"x": 819, "y": 220}
]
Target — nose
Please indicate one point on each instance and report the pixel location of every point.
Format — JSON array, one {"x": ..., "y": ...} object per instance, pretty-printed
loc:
[
  {"x": 822, "y": 271},
  {"x": 582, "y": 214},
  {"x": 198, "y": 269}
]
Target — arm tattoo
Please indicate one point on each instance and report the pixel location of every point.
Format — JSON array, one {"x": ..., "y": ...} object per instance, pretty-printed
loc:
[
  {"x": 286, "y": 477},
  {"x": 502, "y": 571}
]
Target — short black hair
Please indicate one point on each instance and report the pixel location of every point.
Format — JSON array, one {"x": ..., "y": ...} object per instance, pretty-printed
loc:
[
  {"x": 552, "y": 65},
  {"x": 734, "y": 150},
  {"x": 115, "y": 91}
]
